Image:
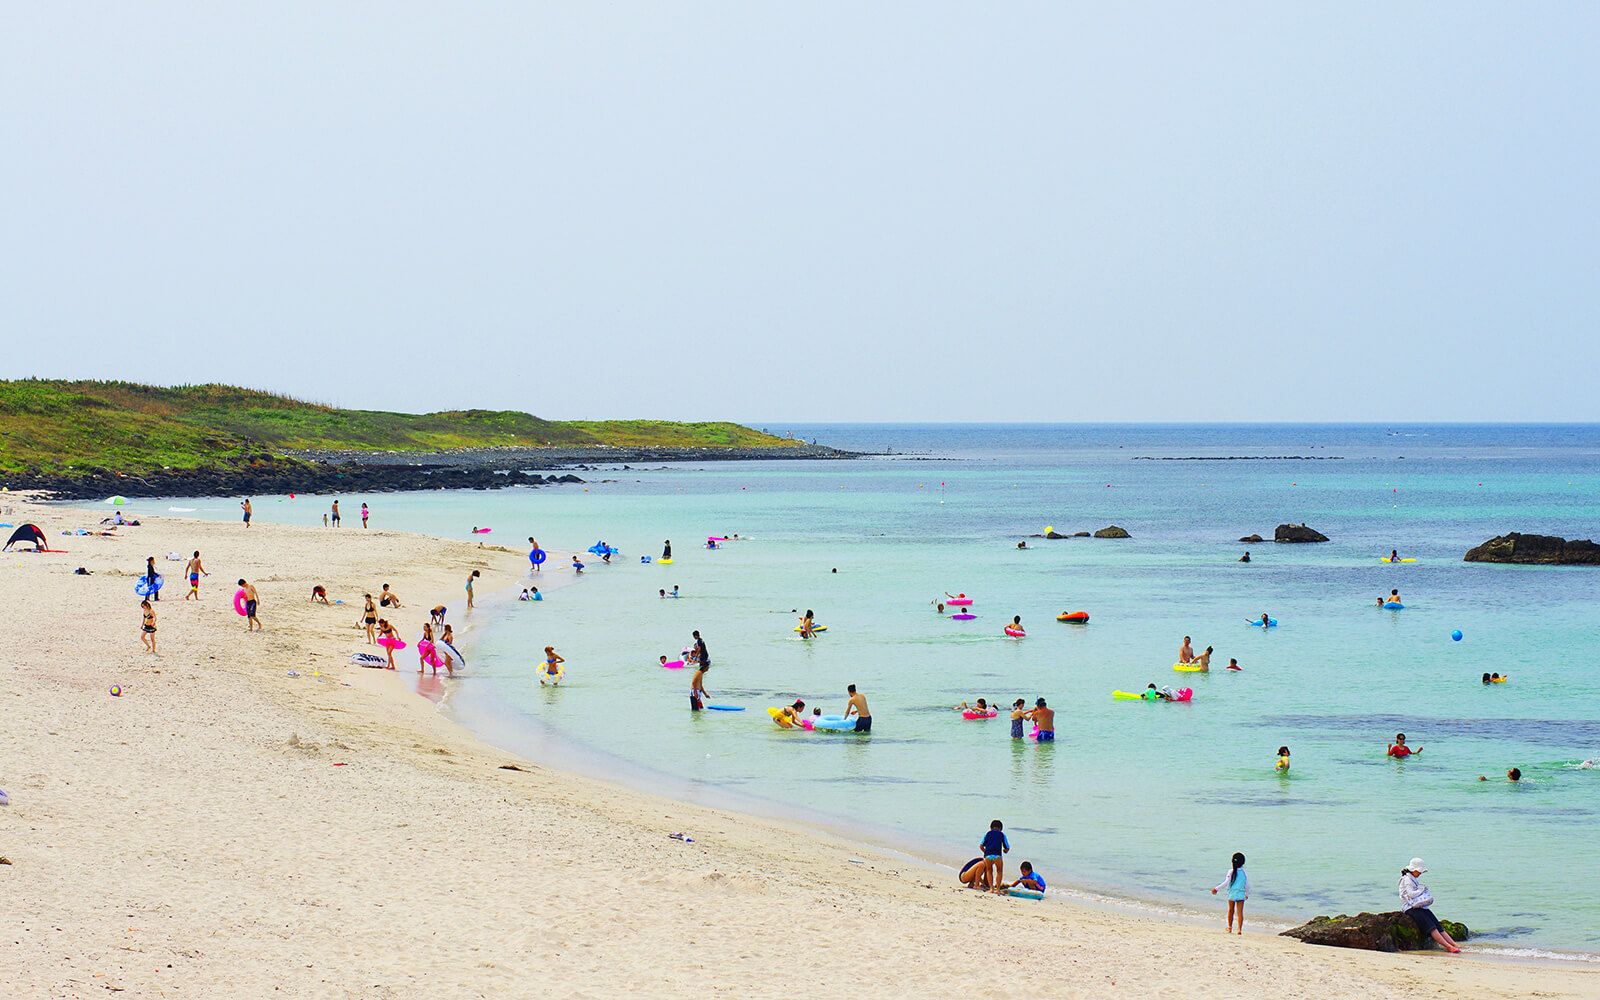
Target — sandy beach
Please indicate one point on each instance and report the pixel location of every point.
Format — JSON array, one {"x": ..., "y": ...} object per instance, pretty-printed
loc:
[{"x": 224, "y": 829}]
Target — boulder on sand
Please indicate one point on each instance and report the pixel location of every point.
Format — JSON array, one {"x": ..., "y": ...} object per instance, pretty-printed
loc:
[
  {"x": 1392, "y": 931},
  {"x": 1112, "y": 531},
  {"x": 1297, "y": 533},
  {"x": 1535, "y": 550},
  {"x": 1252, "y": 538}
]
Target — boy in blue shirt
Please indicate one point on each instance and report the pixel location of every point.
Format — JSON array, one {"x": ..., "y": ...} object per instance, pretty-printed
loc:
[
  {"x": 995, "y": 847},
  {"x": 1028, "y": 879}
]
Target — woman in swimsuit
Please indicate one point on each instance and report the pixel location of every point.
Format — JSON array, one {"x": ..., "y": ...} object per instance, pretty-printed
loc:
[
  {"x": 371, "y": 619},
  {"x": 386, "y": 631},
  {"x": 148, "y": 637},
  {"x": 552, "y": 661}
]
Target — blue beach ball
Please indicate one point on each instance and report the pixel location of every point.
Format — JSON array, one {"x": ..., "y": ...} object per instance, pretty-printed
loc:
[{"x": 1456, "y": 635}]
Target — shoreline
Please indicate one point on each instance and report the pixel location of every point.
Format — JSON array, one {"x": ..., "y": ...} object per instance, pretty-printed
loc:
[{"x": 191, "y": 815}]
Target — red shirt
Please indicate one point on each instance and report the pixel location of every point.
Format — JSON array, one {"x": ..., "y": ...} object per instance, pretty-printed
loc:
[{"x": 1400, "y": 750}]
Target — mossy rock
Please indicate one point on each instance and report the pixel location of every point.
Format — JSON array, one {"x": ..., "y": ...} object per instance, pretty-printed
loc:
[{"x": 1392, "y": 931}]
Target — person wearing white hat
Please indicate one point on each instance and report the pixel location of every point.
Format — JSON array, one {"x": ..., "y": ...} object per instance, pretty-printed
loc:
[{"x": 1414, "y": 902}]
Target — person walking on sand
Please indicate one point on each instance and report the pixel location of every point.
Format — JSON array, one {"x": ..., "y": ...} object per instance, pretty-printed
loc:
[
  {"x": 252, "y": 601},
  {"x": 336, "y": 513},
  {"x": 370, "y": 619},
  {"x": 148, "y": 631},
  {"x": 386, "y": 631},
  {"x": 533, "y": 549},
  {"x": 858, "y": 708},
  {"x": 697, "y": 688},
  {"x": 247, "y": 512},
  {"x": 195, "y": 570},
  {"x": 471, "y": 577},
  {"x": 150, "y": 575},
  {"x": 365, "y": 513},
  {"x": 1238, "y": 886}
]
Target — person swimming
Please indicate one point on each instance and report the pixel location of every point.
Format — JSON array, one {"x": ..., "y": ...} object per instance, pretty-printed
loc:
[{"x": 1283, "y": 760}]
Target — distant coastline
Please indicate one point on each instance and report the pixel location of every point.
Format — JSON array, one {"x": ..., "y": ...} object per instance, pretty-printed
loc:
[{"x": 326, "y": 472}]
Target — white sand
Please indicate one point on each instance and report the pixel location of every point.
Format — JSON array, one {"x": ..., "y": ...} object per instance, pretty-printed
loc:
[{"x": 194, "y": 838}]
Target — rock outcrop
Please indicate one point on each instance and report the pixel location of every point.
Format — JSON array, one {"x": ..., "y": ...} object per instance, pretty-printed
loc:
[
  {"x": 1052, "y": 534},
  {"x": 1536, "y": 550},
  {"x": 1297, "y": 533},
  {"x": 1252, "y": 538},
  {"x": 1112, "y": 531},
  {"x": 1392, "y": 931}
]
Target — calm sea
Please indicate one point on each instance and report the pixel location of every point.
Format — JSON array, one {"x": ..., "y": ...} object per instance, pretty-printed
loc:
[{"x": 1143, "y": 801}]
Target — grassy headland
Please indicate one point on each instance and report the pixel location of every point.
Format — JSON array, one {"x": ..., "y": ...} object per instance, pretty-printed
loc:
[{"x": 55, "y": 427}]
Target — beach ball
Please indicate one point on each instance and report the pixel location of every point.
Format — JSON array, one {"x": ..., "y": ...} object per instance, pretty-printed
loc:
[
  {"x": 116, "y": 690},
  {"x": 1456, "y": 635}
]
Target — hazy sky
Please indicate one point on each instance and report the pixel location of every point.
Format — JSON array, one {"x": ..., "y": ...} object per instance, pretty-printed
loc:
[{"x": 813, "y": 211}]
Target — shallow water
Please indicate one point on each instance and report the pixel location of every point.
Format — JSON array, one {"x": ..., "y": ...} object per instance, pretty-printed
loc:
[{"x": 1143, "y": 799}]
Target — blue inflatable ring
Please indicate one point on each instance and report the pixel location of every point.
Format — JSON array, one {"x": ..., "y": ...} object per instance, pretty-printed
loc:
[{"x": 536, "y": 556}]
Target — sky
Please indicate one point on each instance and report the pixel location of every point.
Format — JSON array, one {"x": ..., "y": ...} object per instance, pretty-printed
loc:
[{"x": 814, "y": 211}]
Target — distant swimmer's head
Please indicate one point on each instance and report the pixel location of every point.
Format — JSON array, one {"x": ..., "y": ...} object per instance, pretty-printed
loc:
[
  {"x": 851, "y": 688},
  {"x": 996, "y": 825},
  {"x": 1399, "y": 737},
  {"x": 1151, "y": 687},
  {"x": 799, "y": 706},
  {"x": 1018, "y": 703},
  {"x": 1515, "y": 774},
  {"x": 1208, "y": 650},
  {"x": 1040, "y": 703},
  {"x": 1186, "y": 640},
  {"x": 1486, "y": 678},
  {"x": 1016, "y": 619},
  {"x": 982, "y": 703},
  {"x": 810, "y": 613},
  {"x": 663, "y": 659}
]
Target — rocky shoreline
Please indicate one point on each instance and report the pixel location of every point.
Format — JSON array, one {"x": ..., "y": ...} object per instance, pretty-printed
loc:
[{"x": 381, "y": 472}]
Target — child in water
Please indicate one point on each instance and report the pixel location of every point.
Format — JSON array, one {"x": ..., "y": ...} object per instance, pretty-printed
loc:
[
  {"x": 1282, "y": 767},
  {"x": 1238, "y": 886}
]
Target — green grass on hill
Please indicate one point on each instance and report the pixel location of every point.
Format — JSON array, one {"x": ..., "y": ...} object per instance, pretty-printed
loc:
[{"x": 51, "y": 426}]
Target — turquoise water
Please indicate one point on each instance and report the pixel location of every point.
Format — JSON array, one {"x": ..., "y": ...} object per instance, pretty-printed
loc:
[{"x": 1143, "y": 800}]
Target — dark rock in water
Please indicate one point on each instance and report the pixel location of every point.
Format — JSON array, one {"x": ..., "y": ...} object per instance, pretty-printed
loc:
[
  {"x": 1052, "y": 534},
  {"x": 1080, "y": 534},
  {"x": 1392, "y": 931},
  {"x": 1297, "y": 533},
  {"x": 1536, "y": 550},
  {"x": 1252, "y": 538},
  {"x": 1112, "y": 531}
]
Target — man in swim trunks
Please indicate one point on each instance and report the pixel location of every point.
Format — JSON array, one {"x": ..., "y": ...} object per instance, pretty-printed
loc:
[
  {"x": 251, "y": 601},
  {"x": 388, "y": 599},
  {"x": 194, "y": 570},
  {"x": 858, "y": 708},
  {"x": 1185, "y": 652},
  {"x": 437, "y": 615},
  {"x": 336, "y": 513},
  {"x": 701, "y": 655},
  {"x": 1044, "y": 717},
  {"x": 247, "y": 512}
]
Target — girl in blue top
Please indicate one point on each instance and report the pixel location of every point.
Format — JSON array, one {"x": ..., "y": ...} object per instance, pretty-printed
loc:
[{"x": 1238, "y": 886}]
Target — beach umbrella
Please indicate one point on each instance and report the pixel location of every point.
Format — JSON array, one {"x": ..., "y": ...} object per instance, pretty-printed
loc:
[{"x": 118, "y": 500}]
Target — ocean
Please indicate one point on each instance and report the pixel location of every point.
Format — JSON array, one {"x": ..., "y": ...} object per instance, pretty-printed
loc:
[{"x": 1138, "y": 801}]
